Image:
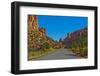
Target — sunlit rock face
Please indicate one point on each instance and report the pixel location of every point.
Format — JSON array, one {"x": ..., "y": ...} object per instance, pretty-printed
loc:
[{"x": 36, "y": 35}]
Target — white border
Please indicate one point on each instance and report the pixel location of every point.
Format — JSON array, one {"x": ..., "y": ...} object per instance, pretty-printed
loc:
[{"x": 26, "y": 65}]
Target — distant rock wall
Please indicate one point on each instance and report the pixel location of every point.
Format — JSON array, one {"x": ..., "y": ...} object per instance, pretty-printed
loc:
[{"x": 68, "y": 41}]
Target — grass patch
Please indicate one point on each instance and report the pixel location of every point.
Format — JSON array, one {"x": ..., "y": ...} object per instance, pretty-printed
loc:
[
  {"x": 83, "y": 51},
  {"x": 33, "y": 54}
]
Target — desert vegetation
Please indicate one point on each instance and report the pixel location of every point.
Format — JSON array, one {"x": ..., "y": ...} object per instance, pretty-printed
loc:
[{"x": 77, "y": 42}]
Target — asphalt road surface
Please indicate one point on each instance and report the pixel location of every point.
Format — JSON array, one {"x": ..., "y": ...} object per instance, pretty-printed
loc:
[{"x": 59, "y": 54}]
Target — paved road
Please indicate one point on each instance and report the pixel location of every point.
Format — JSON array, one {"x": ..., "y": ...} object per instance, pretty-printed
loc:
[{"x": 59, "y": 54}]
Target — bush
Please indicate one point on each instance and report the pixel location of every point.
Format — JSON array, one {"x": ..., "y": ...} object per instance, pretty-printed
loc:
[{"x": 84, "y": 52}]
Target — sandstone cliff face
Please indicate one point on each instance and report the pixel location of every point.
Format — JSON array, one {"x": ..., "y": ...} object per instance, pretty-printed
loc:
[
  {"x": 36, "y": 35},
  {"x": 75, "y": 36}
]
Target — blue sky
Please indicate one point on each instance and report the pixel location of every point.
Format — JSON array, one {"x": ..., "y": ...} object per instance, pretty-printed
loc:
[{"x": 58, "y": 26}]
